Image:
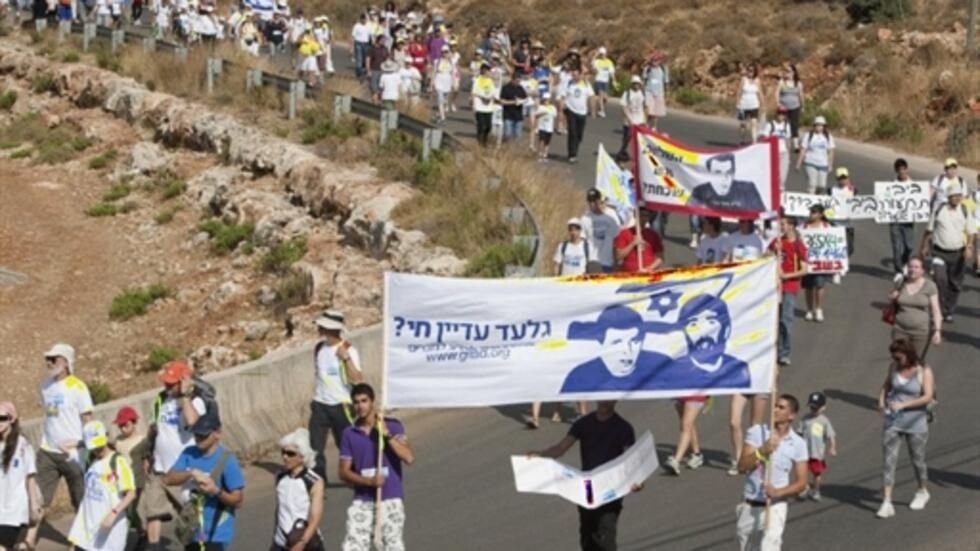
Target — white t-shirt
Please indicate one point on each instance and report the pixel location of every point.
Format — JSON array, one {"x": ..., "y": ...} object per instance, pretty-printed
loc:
[
  {"x": 64, "y": 403},
  {"x": 545, "y": 117},
  {"x": 791, "y": 450},
  {"x": 103, "y": 492},
  {"x": 332, "y": 388},
  {"x": 711, "y": 250},
  {"x": 172, "y": 434},
  {"x": 361, "y": 33},
  {"x": 390, "y": 84},
  {"x": 102, "y": 7},
  {"x": 749, "y": 95},
  {"x": 780, "y": 130},
  {"x": 745, "y": 246},
  {"x": 601, "y": 229},
  {"x": 14, "y": 501},
  {"x": 633, "y": 107},
  {"x": 604, "y": 69},
  {"x": 577, "y": 96},
  {"x": 818, "y": 149},
  {"x": 293, "y": 502},
  {"x": 411, "y": 80},
  {"x": 574, "y": 257}
]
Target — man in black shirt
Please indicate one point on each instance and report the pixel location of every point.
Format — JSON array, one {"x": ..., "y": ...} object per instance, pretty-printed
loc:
[
  {"x": 512, "y": 97},
  {"x": 604, "y": 436}
]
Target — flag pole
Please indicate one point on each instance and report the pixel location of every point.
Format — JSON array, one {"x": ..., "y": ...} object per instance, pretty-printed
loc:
[
  {"x": 775, "y": 372},
  {"x": 379, "y": 413},
  {"x": 639, "y": 234}
]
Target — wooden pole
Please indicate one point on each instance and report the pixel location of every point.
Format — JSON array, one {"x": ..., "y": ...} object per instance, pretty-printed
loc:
[
  {"x": 379, "y": 423},
  {"x": 378, "y": 543},
  {"x": 639, "y": 234},
  {"x": 775, "y": 371}
]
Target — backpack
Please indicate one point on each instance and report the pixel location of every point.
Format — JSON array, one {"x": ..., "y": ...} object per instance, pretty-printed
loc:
[
  {"x": 199, "y": 389},
  {"x": 189, "y": 522},
  {"x": 564, "y": 245}
]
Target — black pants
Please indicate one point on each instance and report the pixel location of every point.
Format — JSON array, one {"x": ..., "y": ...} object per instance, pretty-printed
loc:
[
  {"x": 949, "y": 277},
  {"x": 10, "y": 536},
  {"x": 484, "y": 122},
  {"x": 794, "y": 122},
  {"x": 137, "y": 12},
  {"x": 322, "y": 418},
  {"x": 576, "y": 129},
  {"x": 597, "y": 527}
]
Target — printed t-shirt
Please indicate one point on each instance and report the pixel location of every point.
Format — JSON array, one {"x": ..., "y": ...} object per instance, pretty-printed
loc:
[
  {"x": 15, "y": 503},
  {"x": 711, "y": 250},
  {"x": 743, "y": 246},
  {"x": 172, "y": 434},
  {"x": 104, "y": 489},
  {"x": 574, "y": 257},
  {"x": 64, "y": 403}
]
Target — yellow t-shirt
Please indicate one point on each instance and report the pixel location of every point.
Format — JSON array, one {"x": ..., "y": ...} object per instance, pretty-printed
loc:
[
  {"x": 483, "y": 87},
  {"x": 604, "y": 69}
]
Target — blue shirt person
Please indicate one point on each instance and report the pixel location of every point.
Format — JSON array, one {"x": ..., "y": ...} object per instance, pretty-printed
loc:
[
  {"x": 723, "y": 191},
  {"x": 215, "y": 478}
]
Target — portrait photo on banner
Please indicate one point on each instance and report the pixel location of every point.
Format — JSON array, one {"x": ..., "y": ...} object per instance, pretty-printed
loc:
[
  {"x": 738, "y": 182},
  {"x": 707, "y": 330}
]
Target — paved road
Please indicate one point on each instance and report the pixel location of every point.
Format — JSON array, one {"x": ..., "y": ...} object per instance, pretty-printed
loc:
[{"x": 461, "y": 496}]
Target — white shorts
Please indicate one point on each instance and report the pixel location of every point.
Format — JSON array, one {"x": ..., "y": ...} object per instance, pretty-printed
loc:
[{"x": 750, "y": 527}]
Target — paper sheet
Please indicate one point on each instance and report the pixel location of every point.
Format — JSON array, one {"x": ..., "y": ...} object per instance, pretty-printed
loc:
[{"x": 607, "y": 482}]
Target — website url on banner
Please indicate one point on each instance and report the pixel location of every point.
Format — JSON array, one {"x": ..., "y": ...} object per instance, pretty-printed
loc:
[{"x": 470, "y": 353}]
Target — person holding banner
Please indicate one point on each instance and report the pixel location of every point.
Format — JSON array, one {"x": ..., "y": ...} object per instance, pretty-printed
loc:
[
  {"x": 762, "y": 514},
  {"x": 792, "y": 268},
  {"x": 638, "y": 248},
  {"x": 714, "y": 243},
  {"x": 842, "y": 192},
  {"x": 939, "y": 189},
  {"x": 813, "y": 284},
  {"x": 601, "y": 226},
  {"x": 358, "y": 467},
  {"x": 901, "y": 233},
  {"x": 746, "y": 244},
  {"x": 603, "y": 435}
]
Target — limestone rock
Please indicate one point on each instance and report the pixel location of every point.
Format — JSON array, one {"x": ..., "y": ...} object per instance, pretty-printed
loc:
[
  {"x": 148, "y": 157},
  {"x": 255, "y": 330}
]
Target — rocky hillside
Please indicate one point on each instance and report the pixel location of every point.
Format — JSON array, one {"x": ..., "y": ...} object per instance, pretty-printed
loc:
[{"x": 141, "y": 227}]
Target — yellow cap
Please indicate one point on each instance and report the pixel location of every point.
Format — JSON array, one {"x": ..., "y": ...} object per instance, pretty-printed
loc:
[
  {"x": 950, "y": 162},
  {"x": 842, "y": 172}
]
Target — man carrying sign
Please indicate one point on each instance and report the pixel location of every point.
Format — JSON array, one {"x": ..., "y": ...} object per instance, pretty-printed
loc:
[
  {"x": 901, "y": 233},
  {"x": 639, "y": 252},
  {"x": 604, "y": 436}
]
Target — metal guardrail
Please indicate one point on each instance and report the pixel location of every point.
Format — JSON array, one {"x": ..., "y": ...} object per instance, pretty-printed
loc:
[{"x": 520, "y": 215}]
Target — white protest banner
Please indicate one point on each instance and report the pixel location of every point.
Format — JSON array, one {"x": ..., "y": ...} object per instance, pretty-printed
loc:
[
  {"x": 862, "y": 207},
  {"x": 826, "y": 249},
  {"x": 454, "y": 342},
  {"x": 902, "y": 202},
  {"x": 798, "y": 204},
  {"x": 614, "y": 184},
  {"x": 736, "y": 183},
  {"x": 590, "y": 489}
]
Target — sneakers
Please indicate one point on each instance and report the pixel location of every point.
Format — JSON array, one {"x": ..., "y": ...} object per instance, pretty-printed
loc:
[
  {"x": 733, "y": 468},
  {"x": 887, "y": 510},
  {"x": 809, "y": 315},
  {"x": 836, "y": 279},
  {"x": 694, "y": 461},
  {"x": 573, "y": 160},
  {"x": 818, "y": 315},
  {"x": 920, "y": 500},
  {"x": 672, "y": 466},
  {"x": 784, "y": 361},
  {"x": 814, "y": 495},
  {"x": 694, "y": 241}
]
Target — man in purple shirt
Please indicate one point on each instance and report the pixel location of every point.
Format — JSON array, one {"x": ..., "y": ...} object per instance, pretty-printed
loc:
[{"x": 359, "y": 468}]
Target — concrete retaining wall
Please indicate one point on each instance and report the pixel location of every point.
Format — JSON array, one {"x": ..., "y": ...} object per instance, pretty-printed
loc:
[{"x": 259, "y": 401}]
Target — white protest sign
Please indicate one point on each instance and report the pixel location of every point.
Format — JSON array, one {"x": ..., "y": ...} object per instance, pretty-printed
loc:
[
  {"x": 798, "y": 204},
  {"x": 862, "y": 207},
  {"x": 826, "y": 249},
  {"x": 591, "y": 489},
  {"x": 902, "y": 202}
]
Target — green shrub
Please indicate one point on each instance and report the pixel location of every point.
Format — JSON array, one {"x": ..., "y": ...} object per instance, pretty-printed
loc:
[
  {"x": 282, "y": 256},
  {"x": 294, "y": 289},
  {"x": 22, "y": 153},
  {"x": 43, "y": 82},
  {"x": 106, "y": 59},
  {"x": 70, "y": 57},
  {"x": 811, "y": 111},
  {"x": 8, "y": 99},
  {"x": 225, "y": 237},
  {"x": 173, "y": 188},
  {"x": 117, "y": 192},
  {"x": 54, "y": 151},
  {"x": 889, "y": 127},
  {"x": 8, "y": 144},
  {"x": 81, "y": 143},
  {"x": 99, "y": 391},
  {"x": 867, "y": 11},
  {"x": 689, "y": 97},
  {"x": 99, "y": 210},
  {"x": 159, "y": 356},
  {"x": 52, "y": 145},
  {"x": 102, "y": 160},
  {"x": 319, "y": 124},
  {"x": 493, "y": 262},
  {"x": 134, "y": 302},
  {"x": 165, "y": 216}
]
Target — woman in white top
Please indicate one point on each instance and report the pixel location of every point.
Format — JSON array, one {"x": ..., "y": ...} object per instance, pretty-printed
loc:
[
  {"x": 749, "y": 102},
  {"x": 20, "y": 502},
  {"x": 443, "y": 69},
  {"x": 817, "y": 156},
  {"x": 299, "y": 496}
]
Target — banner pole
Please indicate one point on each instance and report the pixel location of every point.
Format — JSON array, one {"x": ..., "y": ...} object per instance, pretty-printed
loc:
[
  {"x": 379, "y": 413},
  {"x": 639, "y": 234},
  {"x": 775, "y": 371}
]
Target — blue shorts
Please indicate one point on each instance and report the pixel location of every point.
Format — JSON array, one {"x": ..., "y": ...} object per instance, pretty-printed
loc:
[
  {"x": 601, "y": 87},
  {"x": 814, "y": 281}
]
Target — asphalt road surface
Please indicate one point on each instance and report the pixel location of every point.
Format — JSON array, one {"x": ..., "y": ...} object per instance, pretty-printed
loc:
[{"x": 460, "y": 493}]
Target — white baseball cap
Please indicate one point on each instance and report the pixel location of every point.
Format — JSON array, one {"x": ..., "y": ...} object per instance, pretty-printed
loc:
[
  {"x": 602, "y": 50},
  {"x": 574, "y": 222},
  {"x": 820, "y": 120},
  {"x": 66, "y": 351},
  {"x": 94, "y": 435}
]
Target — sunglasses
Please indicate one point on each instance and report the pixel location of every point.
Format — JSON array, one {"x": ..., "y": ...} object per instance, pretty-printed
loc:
[
  {"x": 289, "y": 453},
  {"x": 5, "y": 418}
]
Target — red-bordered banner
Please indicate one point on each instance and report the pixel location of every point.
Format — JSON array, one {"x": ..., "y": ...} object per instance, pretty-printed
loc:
[{"x": 672, "y": 176}]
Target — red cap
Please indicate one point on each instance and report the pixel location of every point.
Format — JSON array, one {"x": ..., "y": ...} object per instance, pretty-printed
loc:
[
  {"x": 126, "y": 415},
  {"x": 173, "y": 372}
]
